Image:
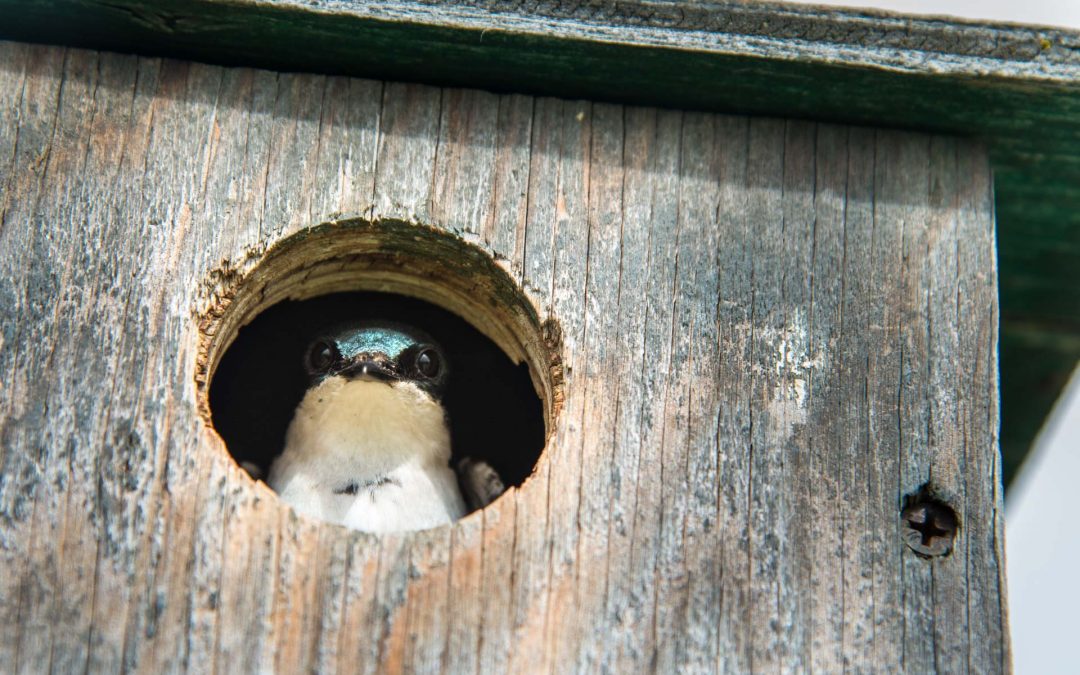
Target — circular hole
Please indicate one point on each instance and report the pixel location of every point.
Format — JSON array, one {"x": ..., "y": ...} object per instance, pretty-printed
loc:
[
  {"x": 504, "y": 385},
  {"x": 929, "y": 524}
]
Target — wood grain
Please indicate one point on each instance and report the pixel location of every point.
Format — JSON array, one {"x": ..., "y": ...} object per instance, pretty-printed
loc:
[
  {"x": 773, "y": 331},
  {"x": 1013, "y": 86}
]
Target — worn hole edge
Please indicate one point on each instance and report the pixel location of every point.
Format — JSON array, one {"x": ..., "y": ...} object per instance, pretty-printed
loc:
[
  {"x": 387, "y": 256},
  {"x": 932, "y": 494}
]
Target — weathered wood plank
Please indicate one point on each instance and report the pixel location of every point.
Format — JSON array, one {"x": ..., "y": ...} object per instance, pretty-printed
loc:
[
  {"x": 795, "y": 350},
  {"x": 853, "y": 364},
  {"x": 408, "y": 142},
  {"x": 498, "y": 585},
  {"x": 769, "y": 424},
  {"x": 701, "y": 180},
  {"x": 1014, "y": 86},
  {"x": 827, "y": 454},
  {"x": 161, "y": 594},
  {"x": 978, "y": 326},
  {"x": 348, "y": 130},
  {"x": 463, "y": 200},
  {"x": 357, "y": 651},
  {"x": 464, "y": 173},
  {"x": 661, "y": 198},
  {"x": 773, "y": 332},
  {"x": 429, "y": 610},
  {"x": 60, "y": 202},
  {"x": 734, "y": 313},
  {"x": 904, "y": 196},
  {"x": 948, "y": 606},
  {"x": 600, "y": 307},
  {"x": 628, "y": 352},
  {"x": 505, "y": 230},
  {"x": 568, "y": 261},
  {"x": 141, "y": 443}
]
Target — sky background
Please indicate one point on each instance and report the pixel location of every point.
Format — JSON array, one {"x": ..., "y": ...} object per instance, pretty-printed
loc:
[
  {"x": 1040, "y": 12},
  {"x": 1042, "y": 514}
]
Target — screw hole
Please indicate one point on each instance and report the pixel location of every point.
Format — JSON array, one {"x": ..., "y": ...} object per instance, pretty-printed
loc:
[{"x": 928, "y": 524}]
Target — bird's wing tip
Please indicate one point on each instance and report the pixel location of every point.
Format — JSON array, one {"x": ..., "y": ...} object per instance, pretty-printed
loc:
[{"x": 480, "y": 483}]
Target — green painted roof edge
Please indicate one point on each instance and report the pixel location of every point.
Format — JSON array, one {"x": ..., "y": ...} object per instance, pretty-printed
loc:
[{"x": 1015, "y": 87}]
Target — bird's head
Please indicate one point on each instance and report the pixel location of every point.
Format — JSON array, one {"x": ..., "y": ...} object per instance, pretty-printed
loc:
[
  {"x": 370, "y": 433},
  {"x": 373, "y": 405},
  {"x": 378, "y": 351}
]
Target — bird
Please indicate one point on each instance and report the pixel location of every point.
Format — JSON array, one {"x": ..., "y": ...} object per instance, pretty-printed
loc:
[{"x": 369, "y": 444}]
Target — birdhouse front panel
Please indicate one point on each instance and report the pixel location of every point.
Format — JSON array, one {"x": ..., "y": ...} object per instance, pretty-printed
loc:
[{"x": 767, "y": 362}]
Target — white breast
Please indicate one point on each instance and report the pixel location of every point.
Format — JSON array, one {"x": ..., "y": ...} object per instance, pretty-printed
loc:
[{"x": 391, "y": 441}]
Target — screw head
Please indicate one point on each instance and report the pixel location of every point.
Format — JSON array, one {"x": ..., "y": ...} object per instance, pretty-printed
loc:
[{"x": 929, "y": 528}]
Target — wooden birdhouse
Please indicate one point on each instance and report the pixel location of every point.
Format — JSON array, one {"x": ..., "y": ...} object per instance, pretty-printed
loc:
[{"x": 742, "y": 254}]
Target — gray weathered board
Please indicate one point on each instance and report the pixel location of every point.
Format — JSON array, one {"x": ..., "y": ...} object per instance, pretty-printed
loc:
[{"x": 773, "y": 331}]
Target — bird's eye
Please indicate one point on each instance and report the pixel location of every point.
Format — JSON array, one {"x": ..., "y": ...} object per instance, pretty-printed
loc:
[
  {"x": 428, "y": 363},
  {"x": 321, "y": 356}
]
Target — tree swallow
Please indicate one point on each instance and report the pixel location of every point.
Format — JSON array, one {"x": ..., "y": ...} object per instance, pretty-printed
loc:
[{"x": 369, "y": 444}]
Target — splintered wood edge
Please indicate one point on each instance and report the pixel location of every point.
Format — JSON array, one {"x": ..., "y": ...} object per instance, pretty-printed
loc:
[{"x": 386, "y": 256}]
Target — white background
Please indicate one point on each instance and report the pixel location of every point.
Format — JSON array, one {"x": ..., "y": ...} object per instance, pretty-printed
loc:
[
  {"x": 1043, "y": 507},
  {"x": 1042, "y": 546},
  {"x": 1041, "y": 12}
]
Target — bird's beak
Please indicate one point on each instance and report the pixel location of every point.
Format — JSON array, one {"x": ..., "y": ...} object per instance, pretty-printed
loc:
[{"x": 370, "y": 367}]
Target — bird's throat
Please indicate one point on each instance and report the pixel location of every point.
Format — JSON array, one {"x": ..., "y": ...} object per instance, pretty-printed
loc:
[
  {"x": 369, "y": 425},
  {"x": 369, "y": 455}
]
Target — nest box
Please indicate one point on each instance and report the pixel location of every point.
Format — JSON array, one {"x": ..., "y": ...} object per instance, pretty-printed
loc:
[{"x": 745, "y": 251}]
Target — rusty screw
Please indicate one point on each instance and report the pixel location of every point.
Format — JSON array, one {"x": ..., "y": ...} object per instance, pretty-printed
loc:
[{"x": 929, "y": 528}]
